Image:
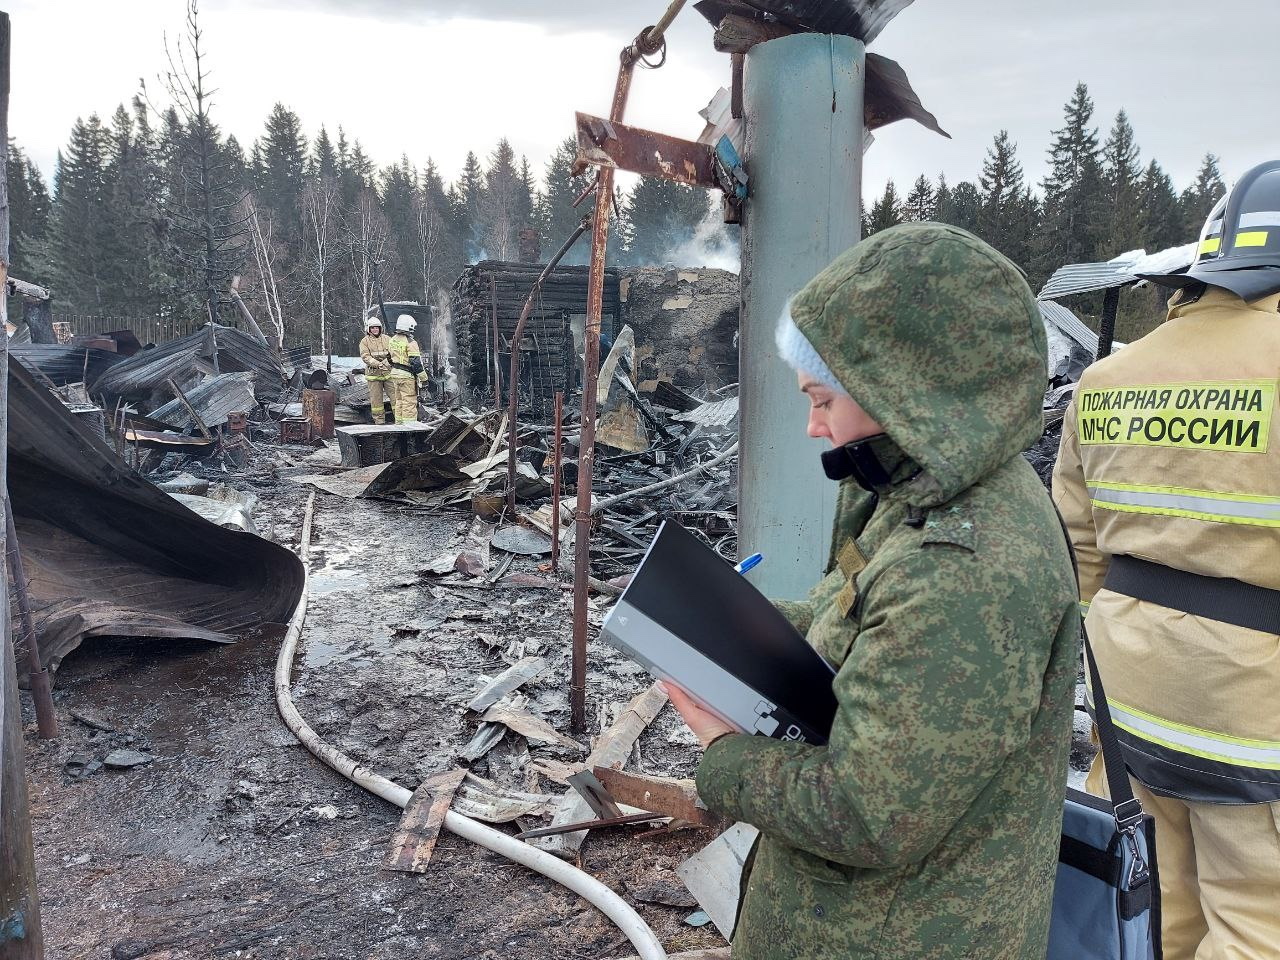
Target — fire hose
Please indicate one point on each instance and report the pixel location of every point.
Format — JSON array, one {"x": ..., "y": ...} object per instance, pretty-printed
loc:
[{"x": 565, "y": 874}]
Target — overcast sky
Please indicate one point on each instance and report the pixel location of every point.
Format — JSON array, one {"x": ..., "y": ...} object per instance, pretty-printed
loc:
[{"x": 439, "y": 77}]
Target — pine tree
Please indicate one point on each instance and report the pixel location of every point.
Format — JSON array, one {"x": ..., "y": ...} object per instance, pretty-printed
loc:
[
  {"x": 503, "y": 202},
  {"x": 661, "y": 216},
  {"x": 885, "y": 212},
  {"x": 324, "y": 157},
  {"x": 1123, "y": 178},
  {"x": 921, "y": 201},
  {"x": 79, "y": 231},
  {"x": 279, "y": 171},
  {"x": 398, "y": 271},
  {"x": 30, "y": 209},
  {"x": 1163, "y": 224},
  {"x": 1198, "y": 199},
  {"x": 1074, "y": 210},
  {"x": 1005, "y": 213},
  {"x": 942, "y": 201},
  {"x": 136, "y": 257},
  {"x": 557, "y": 216},
  {"x": 468, "y": 201}
]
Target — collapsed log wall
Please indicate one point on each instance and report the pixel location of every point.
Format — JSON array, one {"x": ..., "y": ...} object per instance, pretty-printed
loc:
[{"x": 548, "y": 346}]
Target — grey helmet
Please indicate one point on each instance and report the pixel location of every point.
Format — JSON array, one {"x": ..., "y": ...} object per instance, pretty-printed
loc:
[{"x": 1239, "y": 248}]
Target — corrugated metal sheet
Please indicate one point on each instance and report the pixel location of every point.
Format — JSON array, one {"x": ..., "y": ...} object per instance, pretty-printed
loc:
[
  {"x": 214, "y": 400},
  {"x": 109, "y": 554},
  {"x": 1069, "y": 325},
  {"x": 184, "y": 358},
  {"x": 1088, "y": 278},
  {"x": 146, "y": 372},
  {"x": 713, "y": 416},
  {"x": 864, "y": 19},
  {"x": 65, "y": 364}
]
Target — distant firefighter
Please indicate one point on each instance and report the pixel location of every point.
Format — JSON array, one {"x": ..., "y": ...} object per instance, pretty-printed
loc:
[
  {"x": 406, "y": 369},
  {"x": 375, "y": 353}
]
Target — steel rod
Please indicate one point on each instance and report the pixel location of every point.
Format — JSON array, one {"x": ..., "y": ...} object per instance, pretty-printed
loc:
[
  {"x": 513, "y": 393},
  {"x": 41, "y": 694}
]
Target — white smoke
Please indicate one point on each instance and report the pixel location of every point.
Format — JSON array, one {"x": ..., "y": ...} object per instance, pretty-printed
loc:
[
  {"x": 712, "y": 245},
  {"x": 443, "y": 344}
]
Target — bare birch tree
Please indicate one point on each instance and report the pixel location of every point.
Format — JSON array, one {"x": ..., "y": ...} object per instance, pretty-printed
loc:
[
  {"x": 319, "y": 214},
  {"x": 265, "y": 254},
  {"x": 428, "y": 227},
  {"x": 366, "y": 234}
]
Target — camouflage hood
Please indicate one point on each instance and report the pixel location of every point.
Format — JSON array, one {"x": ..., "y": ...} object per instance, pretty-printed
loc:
[{"x": 938, "y": 337}]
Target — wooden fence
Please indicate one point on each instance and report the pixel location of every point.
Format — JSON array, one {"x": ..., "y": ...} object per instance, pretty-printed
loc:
[{"x": 146, "y": 329}]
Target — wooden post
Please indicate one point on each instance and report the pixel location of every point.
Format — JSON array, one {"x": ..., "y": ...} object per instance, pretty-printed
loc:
[
  {"x": 20, "y": 937},
  {"x": 1107, "y": 328}
]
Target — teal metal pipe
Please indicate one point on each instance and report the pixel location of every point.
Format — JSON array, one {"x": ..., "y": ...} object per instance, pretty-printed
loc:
[{"x": 803, "y": 154}]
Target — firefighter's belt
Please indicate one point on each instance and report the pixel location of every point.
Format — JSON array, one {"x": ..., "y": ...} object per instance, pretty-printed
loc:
[{"x": 1215, "y": 598}]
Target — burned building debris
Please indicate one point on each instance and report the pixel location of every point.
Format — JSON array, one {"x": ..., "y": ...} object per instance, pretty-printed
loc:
[
  {"x": 108, "y": 554},
  {"x": 487, "y": 301},
  {"x": 686, "y": 326}
]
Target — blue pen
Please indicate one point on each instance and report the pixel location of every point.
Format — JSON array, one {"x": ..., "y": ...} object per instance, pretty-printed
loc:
[{"x": 750, "y": 563}]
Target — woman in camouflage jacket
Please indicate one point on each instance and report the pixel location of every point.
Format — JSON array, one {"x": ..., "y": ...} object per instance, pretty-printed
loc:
[{"x": 928, "y": 827}]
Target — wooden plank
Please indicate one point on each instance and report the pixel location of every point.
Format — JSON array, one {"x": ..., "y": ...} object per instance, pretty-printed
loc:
[
  {"x": 507, "y": 682},
  {"x": 673, "y": 798},
  {"x": 611, "y": 750},
  {"x": 415, "y": 837}
]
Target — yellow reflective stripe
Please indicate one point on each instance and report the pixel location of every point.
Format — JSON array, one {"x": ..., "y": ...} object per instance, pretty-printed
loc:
[
  {"x": 1187, "y": 514},
  {"x": 1254, "y": 238},
  {"x": 1212, "y": 245},
  {"x": 1194, "y": 741},
  {"x": 1206, "y": 505},
  {"x": 1084, "y": 608},
  {"x": 1183, "y": 491}
]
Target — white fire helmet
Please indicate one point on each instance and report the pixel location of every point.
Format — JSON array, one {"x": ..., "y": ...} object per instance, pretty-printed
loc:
[
  {"x": 406, "y": 324},
  {"x": 374, "y": 321}
]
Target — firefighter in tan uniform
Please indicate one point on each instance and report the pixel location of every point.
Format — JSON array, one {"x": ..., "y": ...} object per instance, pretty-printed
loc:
[
  {"x": 1169, "y": 479},
  {"x": 406, "y": 370},
  {"x": 375, "y": 354}
]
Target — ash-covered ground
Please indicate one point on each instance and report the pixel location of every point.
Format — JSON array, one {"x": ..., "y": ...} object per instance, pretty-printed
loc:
[{"x": 233, "y": 841}]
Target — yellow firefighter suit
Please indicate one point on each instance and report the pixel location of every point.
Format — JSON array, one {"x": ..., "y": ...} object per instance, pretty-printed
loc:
[
  {"x": 1169, "y": 479},
  {"x": 403, "y": 381},
  {"x": 375, "y": 354}
]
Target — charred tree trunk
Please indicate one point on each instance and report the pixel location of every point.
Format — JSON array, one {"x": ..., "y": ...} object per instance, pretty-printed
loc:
[{"x": 38, "y": 315}]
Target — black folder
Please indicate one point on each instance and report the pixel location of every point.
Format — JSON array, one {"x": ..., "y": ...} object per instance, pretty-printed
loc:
[{"x": 691, "y": 618}]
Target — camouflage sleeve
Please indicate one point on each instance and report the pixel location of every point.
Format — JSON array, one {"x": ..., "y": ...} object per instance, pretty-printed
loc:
[
  {"x": 939, "y": 688},
  {"x": 1072, "y": 497},
  {"x": 798, "y": 612}
]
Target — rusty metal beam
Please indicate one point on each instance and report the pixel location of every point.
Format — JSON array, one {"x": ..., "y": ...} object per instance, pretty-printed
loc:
[{"x": 608, "y": 143}]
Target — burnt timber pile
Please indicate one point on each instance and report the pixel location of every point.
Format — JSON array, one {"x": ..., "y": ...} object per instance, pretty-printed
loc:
[{"x": 548, "y": 347}]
